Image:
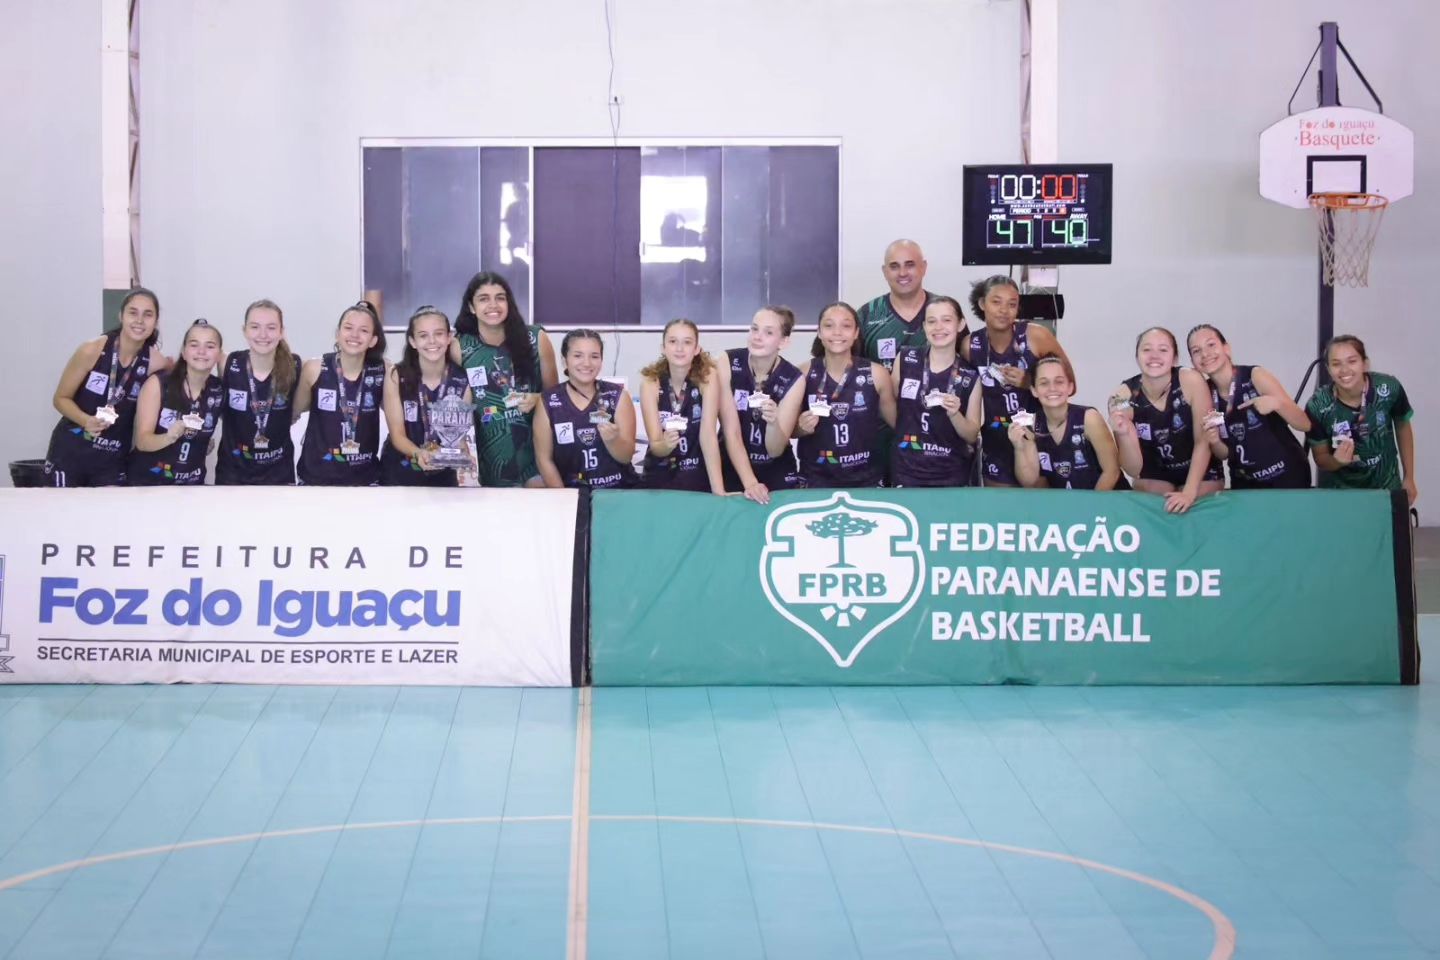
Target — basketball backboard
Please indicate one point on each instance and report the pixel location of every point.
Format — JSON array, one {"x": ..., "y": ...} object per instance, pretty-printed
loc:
[{"x": 1336, "y": 150}]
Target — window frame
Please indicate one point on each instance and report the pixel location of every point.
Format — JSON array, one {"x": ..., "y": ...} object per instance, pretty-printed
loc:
[{"x": 531, "y": 144}]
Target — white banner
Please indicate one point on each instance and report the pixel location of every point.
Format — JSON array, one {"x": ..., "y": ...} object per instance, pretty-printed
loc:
[{"x": 286, "y": 585}]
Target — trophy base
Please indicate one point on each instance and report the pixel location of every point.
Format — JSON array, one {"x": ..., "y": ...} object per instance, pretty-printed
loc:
[{"x": 450, "y": 458}]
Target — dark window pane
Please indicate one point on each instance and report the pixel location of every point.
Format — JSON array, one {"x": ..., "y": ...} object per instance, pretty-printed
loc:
[
  {"x": 442, "y": 227},
  {"x": 587, "y": 235},
  {"x": 505, "y": 219}
]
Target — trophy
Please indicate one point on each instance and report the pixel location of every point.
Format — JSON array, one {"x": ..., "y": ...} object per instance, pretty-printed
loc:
[{"x": 449, "y": 420}]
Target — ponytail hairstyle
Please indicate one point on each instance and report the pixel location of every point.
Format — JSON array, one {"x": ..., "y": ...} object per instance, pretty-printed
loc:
[
  {"x": 981, "y": 289},
  {"x": 375, "y": 354},
  {"x": 786, "y": 315},
  {"x": 282, "y": 379},
  {"x": 1174, "y": 346},
  {"x": 174, "y": 393},
  {"x": 517, "y": 338},
  {"x": 408, "y": 369},
  {"x": 1345, "y": 338},
  {"x": 579, "y": 333},
  {"x": 1053, "y": 358},
  {"x": 154, "y": 338},
  {"x": 817, "y": 349},
  {"x": 700, "y": 367}
]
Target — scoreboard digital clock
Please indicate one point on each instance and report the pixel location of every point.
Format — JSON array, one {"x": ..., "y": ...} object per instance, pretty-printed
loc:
[{"x": 1036, "y": 214}]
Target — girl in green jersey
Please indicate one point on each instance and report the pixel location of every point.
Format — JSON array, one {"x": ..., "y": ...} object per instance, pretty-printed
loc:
[
  {"x": 508, "y": 364},
  {"x": 1360, "y": 433}
]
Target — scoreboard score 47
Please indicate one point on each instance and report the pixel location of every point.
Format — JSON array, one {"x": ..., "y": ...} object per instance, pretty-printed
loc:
[{"x": 1037, "y": 214}]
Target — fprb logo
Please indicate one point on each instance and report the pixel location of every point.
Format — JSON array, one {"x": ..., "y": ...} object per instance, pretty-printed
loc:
[
  {"x": 4, "y": 637},
  {"x": 842, "y": 570}
]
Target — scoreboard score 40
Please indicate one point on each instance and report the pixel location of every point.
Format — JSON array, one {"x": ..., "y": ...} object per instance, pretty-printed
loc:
[{"x": 1037, "y": 214}]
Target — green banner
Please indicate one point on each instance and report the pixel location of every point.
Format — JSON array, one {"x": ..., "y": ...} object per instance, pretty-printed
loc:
[{"x": 993, "y": 586}]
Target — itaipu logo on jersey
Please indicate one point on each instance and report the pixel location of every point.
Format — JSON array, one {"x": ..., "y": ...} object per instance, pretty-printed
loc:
[
  {"x": 842, "y": 569},
  {"x": 4, "y": 637}
]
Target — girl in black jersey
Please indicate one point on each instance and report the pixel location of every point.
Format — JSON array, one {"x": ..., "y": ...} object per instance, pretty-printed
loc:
[
  {"x": 255, "y": 444},
  {"x": 1159, "y": 420},
  {"x": 839, "y": 411},
  {"x": 177, "y": 414},
  {"x": 754, "y": 382},
  {"x": 1070, "y": 447},
  {"x": 1003, "y": 351},
  {"x": 423, "y": 377},
  {"x": 585, "y": 426},
  {"x": 1251, "y": 427},
  {"x": 680, "y": 401},
  {"x": 96, "y": 397},
  {"x": 938, "y": 405},
  {"x": 342, "y": 392}
]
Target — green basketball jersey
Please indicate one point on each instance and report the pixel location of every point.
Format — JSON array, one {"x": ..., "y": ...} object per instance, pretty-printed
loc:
[
  {"x": 883, "y": 333},
  {"x": 1372, "y": 426},
  {"x": 506, "y": 453}
]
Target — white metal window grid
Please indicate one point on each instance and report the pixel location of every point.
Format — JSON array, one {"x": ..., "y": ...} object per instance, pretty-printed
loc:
[{"x": 533, "y": 143}]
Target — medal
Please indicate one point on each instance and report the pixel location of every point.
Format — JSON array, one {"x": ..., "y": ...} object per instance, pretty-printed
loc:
[
  {"x": 259, "y": 408},
  {"x": 107, "y": 415},
  {"x": 349, "y": 410}
]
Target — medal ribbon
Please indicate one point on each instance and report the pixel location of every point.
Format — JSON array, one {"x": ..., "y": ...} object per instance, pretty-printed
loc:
[
  {"x": 117, "y": 387},
  {"x": 349, "y": 409},
  {"x": 260, "y": 409}
]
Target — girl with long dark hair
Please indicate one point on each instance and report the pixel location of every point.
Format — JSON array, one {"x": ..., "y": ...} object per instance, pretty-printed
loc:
[
  {"x": 508, "y": 364},
  {"x": 96, "y": 397},
  {"x": 839, "y": 412}
]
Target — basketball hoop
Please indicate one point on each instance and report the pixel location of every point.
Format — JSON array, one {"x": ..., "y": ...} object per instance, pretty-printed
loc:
[{"x": 1348, "y": 224}]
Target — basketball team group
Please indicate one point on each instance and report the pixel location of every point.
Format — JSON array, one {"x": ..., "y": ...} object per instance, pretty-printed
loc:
[{"x": 903, "y": 392}]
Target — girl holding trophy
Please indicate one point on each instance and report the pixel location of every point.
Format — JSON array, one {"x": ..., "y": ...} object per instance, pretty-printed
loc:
[
  {"x": 96, "y": 397},
  {"x": 177, "y": 414},
  {"x": 342, "y": 392},
  {"x": 508, "y": 364},
  {"x": 585, "y": 427},
  {"x": 428, "y": 409}
]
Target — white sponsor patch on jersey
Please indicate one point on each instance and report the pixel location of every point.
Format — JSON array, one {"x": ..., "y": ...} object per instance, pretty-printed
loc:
[{"x": 325, "y": 399}]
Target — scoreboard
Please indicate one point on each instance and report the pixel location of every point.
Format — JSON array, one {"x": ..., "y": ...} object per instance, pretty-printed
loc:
[{"x": 1036, "y": 214}]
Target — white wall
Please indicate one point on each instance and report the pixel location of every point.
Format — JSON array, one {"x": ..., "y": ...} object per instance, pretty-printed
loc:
[
  {"x": 49, "y": 208},
  {"x": 1176, "y": 94},
  {"x": 253, "y": 112}
]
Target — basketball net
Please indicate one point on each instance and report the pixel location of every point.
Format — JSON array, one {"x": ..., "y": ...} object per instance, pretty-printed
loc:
[{"x": 1348, "y": 224}]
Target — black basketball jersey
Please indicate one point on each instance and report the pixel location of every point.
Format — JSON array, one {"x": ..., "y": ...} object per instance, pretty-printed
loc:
[
  {"x": 579, "y": 453},
  {"x": 107, "y": 383},
  {"x": 343, "y": 412},
  {"x": 1167, "y": 433},
  {"x": 182, "y": 463},
  {"x": 255, "y": 444},
  {"x": 1069, "y": 463},
  {"x": 769, "y": 470},
  {"x": 684, "y": 467},
  {"x": 929, "y": 452},
  {"x": 415, "y": 403},
  {"x": 1264, "y": 452},
  {"x": 1001, "y": 400},
  {"x": 842, "y": 450}
]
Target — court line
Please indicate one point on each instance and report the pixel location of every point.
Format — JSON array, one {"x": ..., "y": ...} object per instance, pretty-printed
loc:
[
  {"x": 577, "y": 935},
  {"x": 1223, "y": 947}
]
